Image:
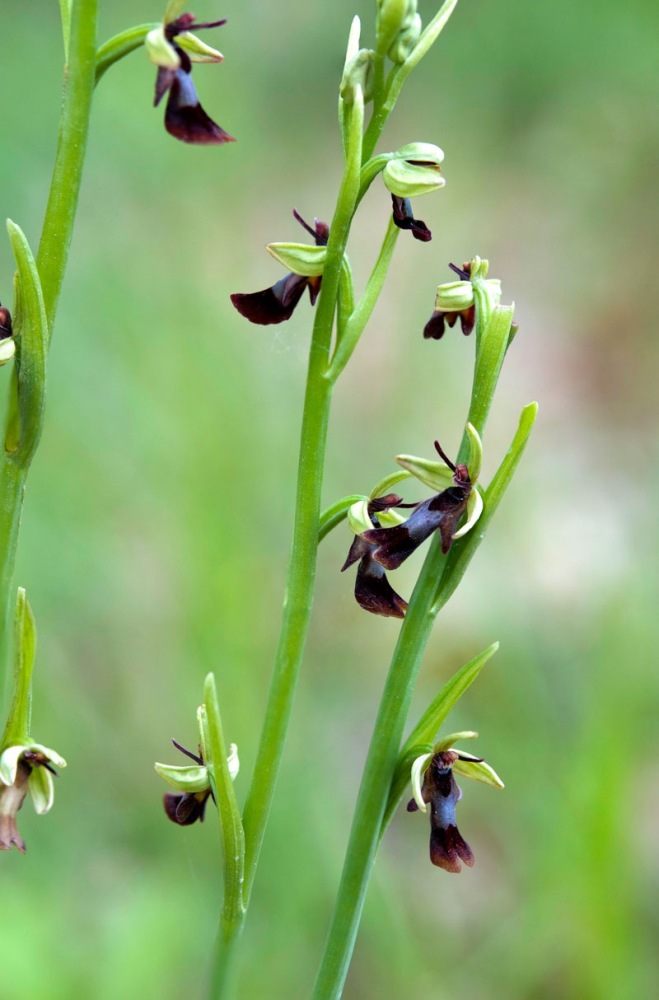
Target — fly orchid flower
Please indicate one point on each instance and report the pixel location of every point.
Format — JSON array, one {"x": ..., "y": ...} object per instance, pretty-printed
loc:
[
  {"x": 173, "y": 49},
  {"x": 433, "y": 784},
  {"x": 25, "y": 767},
  {"x": 277, "y": 303},
  {"x": 373, "y": 592},
  {"x": 456, "y": 299},
  {"x": 442, "y": 512},
  {"x": 188, "y": 803}
]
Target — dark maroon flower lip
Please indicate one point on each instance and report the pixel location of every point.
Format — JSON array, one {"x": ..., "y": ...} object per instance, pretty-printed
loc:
[
  {"x": 404, "y": 218},
  {"x": 448, "y": 848},
  {"x": 277, "y": 303}
]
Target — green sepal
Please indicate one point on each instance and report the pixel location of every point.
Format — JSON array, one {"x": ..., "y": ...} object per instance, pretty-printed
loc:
[
  {"x": 198, "y": 51},
  {"x": 436, "y": 475},
  {"x": 172, "y": 10},
  {"x": 478, "y": 770},
  {"x": 160, "y": 50},
  {"x": 300, "y": 258},
  {"x": 358, "y": 517},
  {"x": 193, "y": 778}
]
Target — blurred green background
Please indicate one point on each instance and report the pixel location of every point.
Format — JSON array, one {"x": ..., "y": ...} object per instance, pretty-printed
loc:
[{"x": 159, "y": 508}]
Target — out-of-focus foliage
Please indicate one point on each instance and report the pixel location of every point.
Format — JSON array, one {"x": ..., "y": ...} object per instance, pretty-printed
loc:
[{"x": 159, "y": 508}]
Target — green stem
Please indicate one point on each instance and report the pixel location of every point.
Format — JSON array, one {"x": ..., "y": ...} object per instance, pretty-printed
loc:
[
  {"x": 361, "y": 315},
  {"x": 51, "y": 263},
  {"x": 72, "y": 141},
  {"x": 302, "y": 564},
  {"x": 232, "y": 916}
]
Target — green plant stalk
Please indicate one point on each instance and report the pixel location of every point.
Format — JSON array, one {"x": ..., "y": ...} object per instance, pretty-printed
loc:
[
  {"x": 62, "y": 204},
  {"x": 302, "y": 564},
  {"x": 51, "y": 264},
  {"x": 431, "y": 592},
  {"x": 361, "y": 315},
  {"x": 232, "y": 916}
]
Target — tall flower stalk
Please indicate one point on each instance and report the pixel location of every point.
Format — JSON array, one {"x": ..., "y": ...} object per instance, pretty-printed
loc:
[{"x": 385, "y": 528}]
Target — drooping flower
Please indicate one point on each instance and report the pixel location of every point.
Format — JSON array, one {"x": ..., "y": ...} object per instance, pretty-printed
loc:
[
  {"x": 433, "y": 784},
  {"x": 25, "y": 768},
  {"x": 277, "y": 303},
  {"x": 373, "y": 592},
  {"x": 404, "y": 218},
  {"x": 188, "y": 803},
  {"x": 173, "y": 49}
]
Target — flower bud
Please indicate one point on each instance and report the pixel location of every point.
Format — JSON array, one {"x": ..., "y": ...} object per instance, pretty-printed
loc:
[
  {"x": 358, "y": 72},
  {"x": 406, "y": 40},
  {"x": 414, "y": 169}
]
